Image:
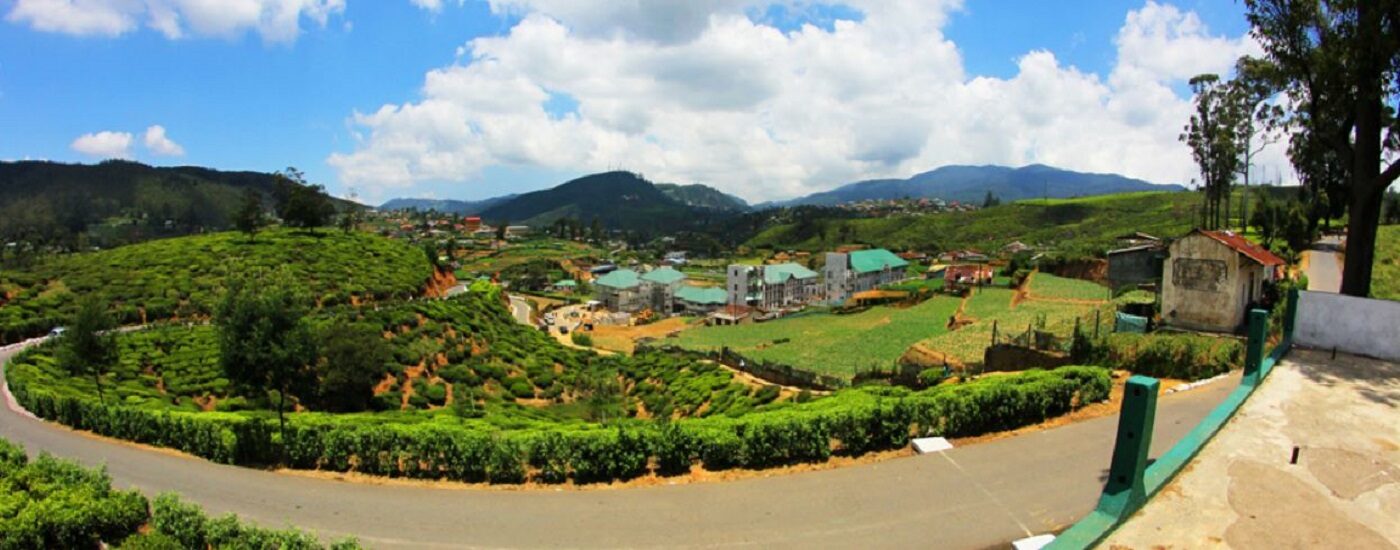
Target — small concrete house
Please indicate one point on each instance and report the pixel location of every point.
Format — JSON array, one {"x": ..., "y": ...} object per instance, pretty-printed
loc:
[
  {"x": 861, "y": 270},
  {"x": 620, "y": 290},
  {"x": 1210, "y": 278},
  {"x": 968, "y": 274},
  {"x": 1135, "y": 265}
]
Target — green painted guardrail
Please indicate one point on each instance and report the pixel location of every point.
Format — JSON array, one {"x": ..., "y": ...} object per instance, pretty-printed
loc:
[{"x": 1131, "y": 481}]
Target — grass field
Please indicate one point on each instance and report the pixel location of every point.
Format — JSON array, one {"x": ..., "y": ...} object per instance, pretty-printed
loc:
[
  {"x": 829, "y": 343},
  {"x": 1045, "y": 285},
  {"x": 1385, "y": 274},
  {"x": 517, "y": 254},
  {"x": 181, "y": 277},
  {"x": 990, "y": 307}
]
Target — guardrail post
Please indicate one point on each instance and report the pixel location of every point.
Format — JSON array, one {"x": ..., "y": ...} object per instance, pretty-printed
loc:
[
  {"x": 1254, "y": 347},
  {"x": 1125, "y": 491}
]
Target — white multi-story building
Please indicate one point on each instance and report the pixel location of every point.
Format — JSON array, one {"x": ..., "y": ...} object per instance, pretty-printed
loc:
[
  {"x": 859, "y": 271},
  {"x": 771, "y": 287}
]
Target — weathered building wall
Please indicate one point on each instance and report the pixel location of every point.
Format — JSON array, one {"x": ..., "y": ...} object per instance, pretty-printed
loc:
[
  {"x": 1134, "y": 267},
  {"x": 1353, "y": 325},
  {"x": 1200, "y": 288}
]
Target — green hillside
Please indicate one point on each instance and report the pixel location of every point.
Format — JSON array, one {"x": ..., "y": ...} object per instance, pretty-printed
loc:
[
  {"x": 181, "y": 277},
  {"x": 1086, "y": 224}
]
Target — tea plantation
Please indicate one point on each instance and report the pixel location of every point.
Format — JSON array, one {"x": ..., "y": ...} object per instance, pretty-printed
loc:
[{"x": 181, "y": 278}]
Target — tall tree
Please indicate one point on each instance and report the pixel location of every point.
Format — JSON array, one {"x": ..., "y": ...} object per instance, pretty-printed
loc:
[
  {"x": 249, "y": 218},
  {"x": 354, "y": 359},
  {"x": 87, "y": 346},
  {"x": 1341, "y": 59},
  {"x": 1212, "y": 136},
  {"x": 301, "y": 204},
  {"x": 265, "y": 340},
  {"x": 1251, "y": 92}
]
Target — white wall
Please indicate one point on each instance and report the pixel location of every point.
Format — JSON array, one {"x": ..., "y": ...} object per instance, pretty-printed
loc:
[{"x": 1358, "y": 326}]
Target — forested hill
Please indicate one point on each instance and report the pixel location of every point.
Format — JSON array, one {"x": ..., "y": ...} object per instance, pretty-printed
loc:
[
  {"x": 446, "y": 206},
  {"x": 703, "y": 196},
  {"x": 118, "y": 202},
  {"x": 618, "y": 200},
  {"x": 971, "y": 184}
]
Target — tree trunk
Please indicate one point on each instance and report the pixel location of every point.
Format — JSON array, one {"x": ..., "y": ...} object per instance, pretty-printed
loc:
[
  {"x": 1365, "y": 211},
  {"x": 1361, "y": 244},
  {"x": 97, "y": 380}
]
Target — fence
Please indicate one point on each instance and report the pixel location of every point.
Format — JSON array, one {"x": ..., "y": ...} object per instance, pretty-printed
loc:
[
  {"x": 1131, "y": 481},
  {"x": 777, "y": 373}
]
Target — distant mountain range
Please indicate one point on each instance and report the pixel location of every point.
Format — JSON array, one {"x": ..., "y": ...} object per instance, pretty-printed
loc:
[
  {"x": 971, "y": 183},
  {"x": 703, "y": 196},
  {"x": 447, "y": 206}
]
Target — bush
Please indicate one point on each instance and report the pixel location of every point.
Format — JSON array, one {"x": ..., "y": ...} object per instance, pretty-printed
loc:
[
  {"x": 1179, "y": 356},
  {"x": 581, "y": 339}
]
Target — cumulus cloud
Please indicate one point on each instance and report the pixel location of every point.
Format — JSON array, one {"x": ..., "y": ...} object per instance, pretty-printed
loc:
[
  {"x": 104, "y": 144},
  {"x": 699, "y": 91},
  {"x": 273, "y": 20},
  {"x": 157, "y": 143}
]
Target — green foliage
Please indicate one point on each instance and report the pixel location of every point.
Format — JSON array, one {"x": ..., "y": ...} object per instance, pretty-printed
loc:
[
  {"x": 184, "y": 277},
  {"x": 1045, "y": 285},
  {"x": 300, "y": 204},
  {"x": 86, "y": 347},
  {"x": 1179, "y": 356},
  {"x": 49, "y": 503},
  {"x": 1083, "y": 227},
  {"x": 581, "y": 339},
  {"x": 249, "y": 217},
  {"x": 354, "y": 356},
  {"x": 1385, "y": 280},
  {"x": 265, "y": 340}
]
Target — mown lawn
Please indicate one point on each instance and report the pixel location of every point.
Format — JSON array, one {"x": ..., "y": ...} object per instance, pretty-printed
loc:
[{"x": 830, "y": 343}]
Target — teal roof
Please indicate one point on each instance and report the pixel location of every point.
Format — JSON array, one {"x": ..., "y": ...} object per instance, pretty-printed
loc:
[
  {"x": 566, "y": 282},
  {"x": 665, "y": 276},
  {"x": 622, "y": 278},
  {"x": 698, "y": 295},
  {"x": 867, "y": 261},
  {"x": 777, "y": 273}
]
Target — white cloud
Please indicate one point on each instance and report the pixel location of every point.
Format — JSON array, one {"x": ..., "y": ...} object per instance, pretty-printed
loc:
[
  {"x": 696, "y": 91},
  {"x": 104, "y": 144},
  {"x": 157, "y": 143},
  {"x": 273, "y": 20}
]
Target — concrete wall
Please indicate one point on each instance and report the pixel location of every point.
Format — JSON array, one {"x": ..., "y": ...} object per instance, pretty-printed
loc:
[
  {"x": 1353, "y": 325},
  {"x": 1202, "y": 285},
  {"x": 1135, "y": 267}
]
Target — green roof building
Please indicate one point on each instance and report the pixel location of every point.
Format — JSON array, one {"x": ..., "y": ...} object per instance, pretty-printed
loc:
[
  {"x": 620, "y": 279},
  {"x": 859, "y": 271},
  {"x": 665, "y": 276},
  {"x": 870, "y": 261}
]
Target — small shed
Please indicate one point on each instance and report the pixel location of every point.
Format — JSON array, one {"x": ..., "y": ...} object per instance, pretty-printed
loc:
[
  {"x": 1136, "y": 265},
  {"x": 1211, "y": 278}
]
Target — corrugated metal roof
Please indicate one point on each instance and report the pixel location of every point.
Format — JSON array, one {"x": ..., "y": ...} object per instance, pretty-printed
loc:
[
  {"x": 665, "y": 275},
  {"x": 622, "y": 278},
  {"x": 779, "y": 273},
  {"x": 866, "y": 261},
  {"x": 1242, "y": 245},
  {"x": 699, "y": 295}
]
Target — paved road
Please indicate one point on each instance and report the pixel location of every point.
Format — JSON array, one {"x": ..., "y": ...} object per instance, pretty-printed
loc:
[
  {"x": 1324, "y": 265},
  {"x": 520, "y": 309},
  {"x": 971, "y": 497}
]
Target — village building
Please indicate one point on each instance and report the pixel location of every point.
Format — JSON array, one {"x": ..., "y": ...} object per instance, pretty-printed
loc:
[
  {"x": 1136, "y": 265},
  {"x": 961, "y": 256},
  {"x": 1015, "y": 247},
  {"x": 566, "y": 286},
  {"x": 694, "y": 300},
  {"x": 771, "y": 287},
  {"x": 1211, "y": 278},
  {"x": 967, "y": 274},
  {"x": 620, "y": 290},
  {"x": 659, "y": 288},
  {"x": 861, "y": 270}
]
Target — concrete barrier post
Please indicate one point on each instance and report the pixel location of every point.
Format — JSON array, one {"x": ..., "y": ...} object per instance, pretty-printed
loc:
[
  {"x": 1254, "y": 347},
  {"x": 1125, "y": 491}
]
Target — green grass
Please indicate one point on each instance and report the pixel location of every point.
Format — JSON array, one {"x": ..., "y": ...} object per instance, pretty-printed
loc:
[
  {"x": 183, "y": 277},
  {"x": 829, "y": 343},
  {"x": 1385, "y": 271},
  {"x": 990, "y": 307},
  {"x": 522, "y": 253},
  {"x": 1088, "y": 225},
  {"x": 1045, "y": 285}
]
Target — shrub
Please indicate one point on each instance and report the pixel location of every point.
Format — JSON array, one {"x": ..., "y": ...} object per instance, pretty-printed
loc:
[
  {"x": 581, "y": 339},
  {"x": 1180, "y": 356}
]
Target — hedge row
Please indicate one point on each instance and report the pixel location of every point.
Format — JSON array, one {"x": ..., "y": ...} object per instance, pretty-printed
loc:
[
  {"x": 851, "y": 422},
  {"x": 1179, "y": 356},
  {"x": 52, "y": 503}
]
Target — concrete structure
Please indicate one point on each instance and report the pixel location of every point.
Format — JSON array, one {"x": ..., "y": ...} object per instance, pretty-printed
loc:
[
  {"x": 659, "y": 288},
  {"x": 1309, "y": 461},
  {"x": 620, "y": 290},
  {"x": 1353, "y": 325},
  {"x": 1212, "y": 277},
  {"x": 861, "y": 270},
  {"x": 967, "y": 274},
  {"x": 1136, "y": 265},
  {"x": 696, "y": 300},
  {"x": 771, "y": 287},
  {"x": 566, "y": 286}
]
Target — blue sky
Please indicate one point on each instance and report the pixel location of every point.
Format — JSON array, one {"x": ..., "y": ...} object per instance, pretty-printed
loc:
[{"x": 245, "y": 97}]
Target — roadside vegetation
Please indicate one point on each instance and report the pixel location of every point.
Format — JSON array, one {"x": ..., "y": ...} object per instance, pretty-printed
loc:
[
  {"x": 1386, "y": 282},
  {"x": 52, "y": 503}
]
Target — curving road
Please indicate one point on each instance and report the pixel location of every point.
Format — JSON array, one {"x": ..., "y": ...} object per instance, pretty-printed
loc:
[
  {"x": 971, "y": 497},
  {"x": 1325, "y": 265}
]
